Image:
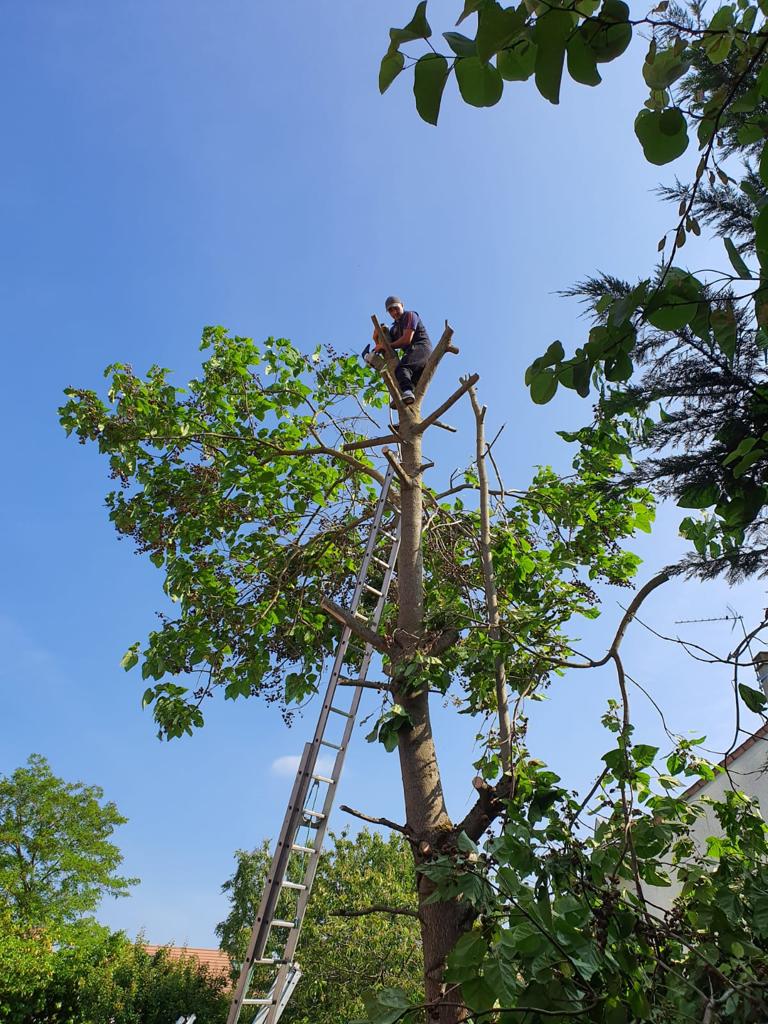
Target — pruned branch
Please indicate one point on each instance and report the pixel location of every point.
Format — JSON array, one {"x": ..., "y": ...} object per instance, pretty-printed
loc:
[
  {"x": 375, "y": 909},
  {"x": 487, "y": 807},
  {"x": 443, "y": 346},
  {"x": 371, "y": 442},
  {"x": 403, "y": 829},
  {"x": 405, "y": 479},
  {"x": 467, "y": 383},
  {"x": 355, "y": 625}
]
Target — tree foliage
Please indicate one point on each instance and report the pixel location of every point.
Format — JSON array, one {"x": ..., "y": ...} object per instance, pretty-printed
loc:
[
  {"x": 346, "y": 947},
  {"x": 57, "y": 859},
  {"x": 87, "y": 975}
]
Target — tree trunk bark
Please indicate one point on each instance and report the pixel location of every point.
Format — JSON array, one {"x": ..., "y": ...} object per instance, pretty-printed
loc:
[{"x": 426, "y": 813}]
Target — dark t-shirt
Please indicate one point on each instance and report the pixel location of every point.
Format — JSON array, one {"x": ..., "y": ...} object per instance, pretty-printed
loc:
[{"x": 410, "y": 321}]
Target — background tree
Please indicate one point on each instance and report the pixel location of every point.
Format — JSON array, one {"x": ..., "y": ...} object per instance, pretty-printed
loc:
[
  {"x": 87, "y": 975},
  {"x": 347, "y": 946},
  {"x": 56, "y": 856}
]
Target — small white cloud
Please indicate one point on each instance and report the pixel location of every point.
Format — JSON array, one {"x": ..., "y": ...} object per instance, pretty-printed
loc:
[{"x": 287, "y": 766}]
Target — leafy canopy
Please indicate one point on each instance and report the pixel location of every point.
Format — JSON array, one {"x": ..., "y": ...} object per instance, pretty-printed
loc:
[{"x": 57, "y": 859}]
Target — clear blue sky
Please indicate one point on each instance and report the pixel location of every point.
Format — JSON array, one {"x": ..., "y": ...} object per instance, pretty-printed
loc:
[{"x": 176, "y": 163}]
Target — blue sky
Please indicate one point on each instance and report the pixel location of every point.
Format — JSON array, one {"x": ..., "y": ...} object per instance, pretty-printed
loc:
[{"x": 174, "y": 164}]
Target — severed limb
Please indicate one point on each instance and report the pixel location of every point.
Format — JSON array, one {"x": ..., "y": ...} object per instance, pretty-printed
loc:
[
  {"x": 377, "y": 908},
  {"x": 489, "y": 581},
  {"x": 404, "y": 829},
  {"x": 355, "y": 625},
  {"x": 405, "y": 479},
  {"x": 466, "y": 384},
  {"x": 443, "y": 346},
  {"x": 371, "y": 442},
  {"x": 388, "y": 372}
]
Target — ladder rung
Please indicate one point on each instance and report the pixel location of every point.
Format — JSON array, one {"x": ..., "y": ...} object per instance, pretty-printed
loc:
[
  {"x": 268, "y": 961},
  {"x": 381, "y": 562},
  {"x": 372, "y": 590},
  {"x": 283, "y": 924},
  {"x": 360, "y": 615},
  {"x": 259, "y": 1002},
  {"x": 338, "y": 711},
  {"x": 388, "y": 535},
  {"x": 294, "y": 885},
  {"x": 298, "y": 848},
  {"x": 323, "y": 778},
  {"x": 333, "y": 746},
  {"x": 314, "y": 814}
]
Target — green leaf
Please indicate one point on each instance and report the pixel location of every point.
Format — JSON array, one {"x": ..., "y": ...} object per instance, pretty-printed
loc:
[
  {"x": 676, "y": 304},
  {"x": 461, "y": 45},
  {"x": 543, "y": 387},
  {"x": 470, "y": 6},
  {"x": 761, "y": 236},
  {"x": 550, "y": 34},
  {"x": 391, "y": 66},
  {"x": 582, "y": 66},
  {"x": 754, "y": 699},
  {"x": 724, "y": 326},
  {"x": 734, "y": 256},
  {"x": 662, "y": 134},
  {"x": 480, "y": 84},
  {"x": 717, "y": 46},
  {"x": 478, "y": 994},
  {"x": 429, "y": 81},
  {"x": 417, "y": 28},
  {"x": 699, "y": 496},
  {"x": 610, "y": 33},
  {"x": 763, "y": 166},
  {"x": 497, "y": 27},
  {"x": 663, "y": 68},
  {"x": 131, "y": 657},
  {"x": 517, "y": 63},
  {"x": 644, "y": 754}
]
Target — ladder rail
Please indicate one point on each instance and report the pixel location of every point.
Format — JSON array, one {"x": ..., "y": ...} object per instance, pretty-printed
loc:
[{"x": 306, "y": 776}]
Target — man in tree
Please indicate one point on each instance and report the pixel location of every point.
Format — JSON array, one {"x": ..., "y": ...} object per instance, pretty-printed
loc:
[{"x": 409, "y": 333}]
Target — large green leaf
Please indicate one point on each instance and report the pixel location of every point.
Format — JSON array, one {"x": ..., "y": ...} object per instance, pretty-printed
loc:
[
  {"x": 480, "y": 84},
  {"x": 429, "y": 80},
  {"x": 461, "y": 45},
  {"x": 581, "y": 60},
  {"x": 543, "y": 386},
  {"x": 662, "y": 134},
  {"x": 391, "y": 66},
  {"x": 497, "y": 27},
  {"x": 676, "y": 304},
  {"x": 550, "y": 34},
  {"x": 754, "y": 699},
  {"x": 609, "y": 33},
  {"x": 663, "y": 68},
  {"x": 417, "y": 28},
  {"x": 516, "y": 64},
  {"x": 718, "y": 38},
  {"x": 699, "y": 496},
  {"x": 724, "y": 326}
]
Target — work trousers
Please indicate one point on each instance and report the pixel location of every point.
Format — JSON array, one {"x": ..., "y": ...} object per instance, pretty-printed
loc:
[{"x": 411, "y": 365}]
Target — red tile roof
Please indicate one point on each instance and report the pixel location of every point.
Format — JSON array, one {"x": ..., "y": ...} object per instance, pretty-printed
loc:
[
  {"x": 761, "y": 734},
  {"x": 216, "y": 961}
]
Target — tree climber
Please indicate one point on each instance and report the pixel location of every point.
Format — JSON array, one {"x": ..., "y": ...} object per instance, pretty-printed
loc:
[{"x": 409, "y": 333}]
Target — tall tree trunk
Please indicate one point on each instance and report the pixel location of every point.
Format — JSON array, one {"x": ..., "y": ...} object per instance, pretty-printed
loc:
[{"x": 426, "y": 813}]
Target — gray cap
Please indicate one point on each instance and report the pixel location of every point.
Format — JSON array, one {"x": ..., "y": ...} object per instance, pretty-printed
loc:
[{"x": 392, "y": 300}]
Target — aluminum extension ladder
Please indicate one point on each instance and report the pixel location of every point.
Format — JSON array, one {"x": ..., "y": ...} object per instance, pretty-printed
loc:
[{"x": 297, "y": 854}]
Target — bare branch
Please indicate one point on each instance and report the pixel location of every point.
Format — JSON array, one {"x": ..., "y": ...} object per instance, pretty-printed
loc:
[
  {"x": 371, "y": 442},
  {"x": 419, "y": 428},
  {"x": 376, "y": 821},
  {"x": 443, "y": 346},
  {"x": 405, "y": 479},
  {"x": 355, "y": 625},
  {"x": 375, "y": 909}
]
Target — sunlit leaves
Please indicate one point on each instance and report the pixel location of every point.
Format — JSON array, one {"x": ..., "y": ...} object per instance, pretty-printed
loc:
[
  {"x": 497, "y": 28},
  {"x": 718, "y": 40},
  {"x": 662, "y": 134},
  {"x": 662, "y": 68},
  {"x": 609, "y": 33},
  {"x": 429, "y": 81},
  {"x": 517, "y": 62}
]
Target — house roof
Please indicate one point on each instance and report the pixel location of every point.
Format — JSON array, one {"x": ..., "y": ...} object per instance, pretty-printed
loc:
[
  {"x": 215, "y": 960},
  {"x": 756, "y": 737}
]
